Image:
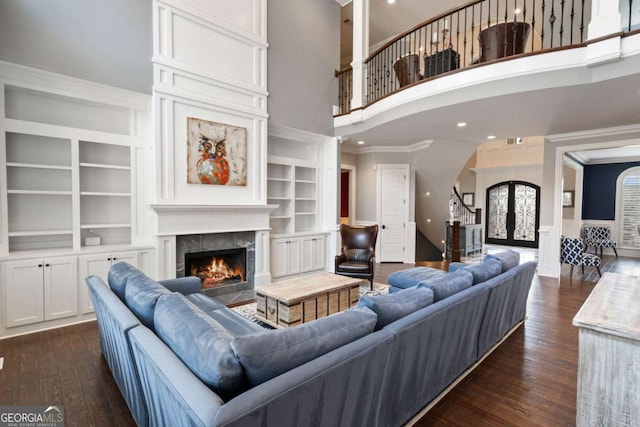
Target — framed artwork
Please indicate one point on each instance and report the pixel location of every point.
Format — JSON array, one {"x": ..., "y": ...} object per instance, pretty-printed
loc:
[
  {"x": 567, "y": 199},
  {"x": 468, "y": 199},
  {"x": 216, "y": 153}
]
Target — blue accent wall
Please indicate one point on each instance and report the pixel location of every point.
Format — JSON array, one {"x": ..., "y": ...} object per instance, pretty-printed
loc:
[{"x": 599, "y": 190}]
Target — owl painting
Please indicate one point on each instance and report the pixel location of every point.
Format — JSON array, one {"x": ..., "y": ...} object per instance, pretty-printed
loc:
[{"x": 216, "y": 153}]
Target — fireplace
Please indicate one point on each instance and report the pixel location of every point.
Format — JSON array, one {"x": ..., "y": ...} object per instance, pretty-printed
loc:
[
  {"x": 224, "y": 245},
  {"x": 217, "y": 268}
]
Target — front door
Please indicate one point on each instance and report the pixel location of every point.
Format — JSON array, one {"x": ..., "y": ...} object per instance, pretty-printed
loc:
[{"x": 513, "y": 214}]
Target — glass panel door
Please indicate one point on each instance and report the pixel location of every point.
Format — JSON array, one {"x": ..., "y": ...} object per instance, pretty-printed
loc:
[{"x": 513, "y": 212}]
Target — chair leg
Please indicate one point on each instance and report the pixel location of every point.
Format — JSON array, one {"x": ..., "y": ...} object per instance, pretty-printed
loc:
[
  {"x": 371, "y": 283},
  {"x": 614, "y": 251},
  {"x": 582, "y": 269},
  {"x": 571, "y": 272},
  {"x": 599, "y": 272}
]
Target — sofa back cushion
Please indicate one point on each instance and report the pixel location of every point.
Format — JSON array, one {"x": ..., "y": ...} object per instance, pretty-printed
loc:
[
  {"x": 267, "y": 354},
  {"x": 410, "y": 277},
  {"x": 485, "y": 270},
  {"x": 449, "y": 284},
  {"x": 118, "y": 275},
  {"x": 508, "y": 258},
  {"x": 391, "y": 307},
  {"x": 141, "y": 294},
  {"x": 201, "y": 343}
]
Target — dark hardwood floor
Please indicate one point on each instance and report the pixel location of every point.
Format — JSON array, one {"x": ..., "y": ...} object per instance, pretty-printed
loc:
[{"x": 529, "y": 380}]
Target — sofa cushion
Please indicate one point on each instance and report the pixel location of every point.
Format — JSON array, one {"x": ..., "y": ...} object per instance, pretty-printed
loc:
[
  {"x": 391, "y": 307},
  {"x": 201, "y": 343},
  {"x": 485, "y": 270},
  {"x": 117, "y": 277},
  {"x": 267, "y": 354},
  {"x": 508, "y": 258},
  {"x": 231, "y": 321},
  {"x": 141, "y": 294},
  {"x": 449, "y": 284},
  {"x": 410, "y": 277}
]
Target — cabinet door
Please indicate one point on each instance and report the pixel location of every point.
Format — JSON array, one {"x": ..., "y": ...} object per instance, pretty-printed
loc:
[
  {"x": 313, "y": 253},
  {"x": 285, "y": 256},
  {"x": 98, "y": 265},
  {"x": 91, "y": 265},
  {"x": 24, "y": 293},
  {"x": 60, "y": 287}
]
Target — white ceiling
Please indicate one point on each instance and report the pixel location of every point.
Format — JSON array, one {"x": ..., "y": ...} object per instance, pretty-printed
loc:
[{"x": 630, "y": 153}]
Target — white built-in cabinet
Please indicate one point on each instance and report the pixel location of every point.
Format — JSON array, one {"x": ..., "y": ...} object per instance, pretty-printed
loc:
[
  {"x": 99, "y": 265},
  {"x": 37, "y": 290},
  {"x": 298, "y": 254},
  {"x": 295, "y": 166},
  {"x": 292, "y": 184},
  {"x": 73, "y": 158}
]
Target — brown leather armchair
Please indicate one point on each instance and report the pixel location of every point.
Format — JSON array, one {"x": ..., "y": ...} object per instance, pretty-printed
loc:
[{"x": 358, "y": 255}]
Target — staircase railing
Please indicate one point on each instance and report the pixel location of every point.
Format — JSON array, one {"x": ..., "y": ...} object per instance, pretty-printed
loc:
[
  {"x": 461, "y": 215},
  {"x": 479, "y": 32}
]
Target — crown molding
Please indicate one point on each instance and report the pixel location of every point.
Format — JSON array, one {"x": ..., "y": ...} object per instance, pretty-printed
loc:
[
  {"x": 298, "y": 135},
  {"x": 388, "y": 148},
  {"x": 343, "y": 2}
]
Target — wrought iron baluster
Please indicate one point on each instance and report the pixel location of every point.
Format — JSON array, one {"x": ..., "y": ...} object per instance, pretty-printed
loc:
[
  {"x": 582, "y": 23},
  {"x": 561, "y": 22},
  {"x": 630, "y": 12},
  {"x": 542, "y": 26},
  {"x": 552, "y": 21}
]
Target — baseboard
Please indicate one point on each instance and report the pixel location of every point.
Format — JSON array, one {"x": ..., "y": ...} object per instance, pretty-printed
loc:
[{"x": 462, "y": 376}]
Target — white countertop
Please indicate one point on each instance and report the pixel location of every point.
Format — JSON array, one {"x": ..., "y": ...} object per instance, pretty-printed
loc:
[{"x": 613, "y": 307}]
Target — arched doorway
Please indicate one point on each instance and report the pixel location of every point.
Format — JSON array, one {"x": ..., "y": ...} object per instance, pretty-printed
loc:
[{"x": 513, "y": 214}]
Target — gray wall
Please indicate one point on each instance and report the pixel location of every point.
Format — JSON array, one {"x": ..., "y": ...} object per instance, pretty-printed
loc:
[
  {"x": 304, "y": 51},
  {"x": 436, "y": 170},
  {"x": 105, "y": 41}
]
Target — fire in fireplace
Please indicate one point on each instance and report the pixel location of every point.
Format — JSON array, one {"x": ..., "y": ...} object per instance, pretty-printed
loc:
[{"x": 217, "y": 268}]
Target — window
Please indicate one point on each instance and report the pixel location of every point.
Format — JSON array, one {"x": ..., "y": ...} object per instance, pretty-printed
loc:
[{"x": 628, "y": 213}]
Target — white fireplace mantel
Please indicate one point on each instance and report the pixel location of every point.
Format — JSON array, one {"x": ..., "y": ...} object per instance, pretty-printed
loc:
[
  {"x": 180, "y": 219},
  {"x": 197, "y": 219}
]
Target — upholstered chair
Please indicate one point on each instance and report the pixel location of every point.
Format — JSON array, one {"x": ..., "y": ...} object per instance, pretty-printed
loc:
[
  {"x": 572, "y": 253},
  {"x": 358, "y": 255},
  {"x": 599, "y": 237}
]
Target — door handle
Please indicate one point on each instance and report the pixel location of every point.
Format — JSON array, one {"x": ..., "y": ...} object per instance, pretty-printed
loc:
[{"x": 384, "y": 226}]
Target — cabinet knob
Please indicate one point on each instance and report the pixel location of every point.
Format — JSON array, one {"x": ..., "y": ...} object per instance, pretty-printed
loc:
[
  {"x": 40, "y": 265},
  {"x": 114, "y": 258},
  {"x": 109, "y": 259}
]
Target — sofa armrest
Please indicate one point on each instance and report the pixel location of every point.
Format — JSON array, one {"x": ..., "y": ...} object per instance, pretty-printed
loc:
[
  {"x": 184, "y": 285},
  {"x": 339, "y": 260}
]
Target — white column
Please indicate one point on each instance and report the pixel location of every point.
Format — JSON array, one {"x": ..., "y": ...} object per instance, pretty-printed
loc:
[
  {"x": 605, "y": 18},
  {"x": 262, "y": 275},
  {"x": 360, "y": 52}
]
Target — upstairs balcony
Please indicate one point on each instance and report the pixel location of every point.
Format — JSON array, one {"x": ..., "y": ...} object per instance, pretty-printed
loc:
[{"x": 475, "y": 35}]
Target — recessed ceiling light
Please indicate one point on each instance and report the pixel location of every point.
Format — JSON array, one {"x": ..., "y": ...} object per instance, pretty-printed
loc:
[
  {"x": 391, "y": 1},
  {"x": 461, "y": 124},
  {"x": 491, "y": 137},
  {"x": 360, "y": 142}
]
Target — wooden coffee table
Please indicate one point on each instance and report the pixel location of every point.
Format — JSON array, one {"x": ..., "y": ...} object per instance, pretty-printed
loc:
[{"x": 302, "y": 299}]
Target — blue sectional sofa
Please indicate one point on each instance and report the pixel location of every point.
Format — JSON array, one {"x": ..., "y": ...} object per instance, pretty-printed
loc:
[{"x": 181, "y": 358}]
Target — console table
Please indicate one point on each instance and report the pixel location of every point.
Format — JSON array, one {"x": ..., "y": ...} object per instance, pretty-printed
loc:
[{"x": 609, "y": 353}]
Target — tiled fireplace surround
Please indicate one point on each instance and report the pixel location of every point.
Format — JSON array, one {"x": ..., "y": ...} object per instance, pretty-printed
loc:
[{"x": 214, "y": 242}]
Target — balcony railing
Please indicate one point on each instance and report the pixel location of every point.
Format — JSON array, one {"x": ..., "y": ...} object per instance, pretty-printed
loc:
[
  {"x": 477, "y": 33},
  {"x": 345, "y": 89}
]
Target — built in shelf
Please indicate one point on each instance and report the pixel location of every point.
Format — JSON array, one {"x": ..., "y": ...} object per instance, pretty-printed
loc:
[
  {"x": 39, "y": 233},
  {"x": 280, "y": 217},
  {"x": 279, "y": 179},
  {"x": 104, "y": 166},
  {"x": 102, "y": 193},
  {"x": 40, "y": 192},
  {"x": 305, "y": 213},
  {"x": 97, "y": 226},
  {"x": 37, "y": 166},
  {"x": 304, "y": 181}
]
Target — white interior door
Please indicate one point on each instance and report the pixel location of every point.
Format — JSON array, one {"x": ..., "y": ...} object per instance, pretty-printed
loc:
[{"x": 393, "y": 186}]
